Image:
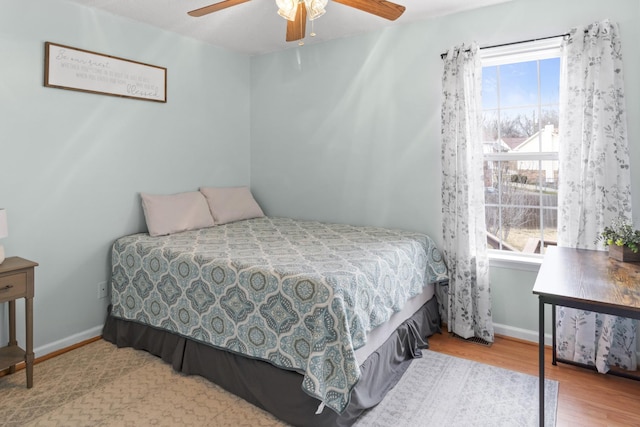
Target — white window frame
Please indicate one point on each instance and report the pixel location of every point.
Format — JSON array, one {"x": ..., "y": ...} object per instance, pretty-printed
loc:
[{"x": 508, "y": 54}]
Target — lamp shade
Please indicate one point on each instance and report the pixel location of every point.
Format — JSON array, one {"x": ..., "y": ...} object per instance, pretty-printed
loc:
[
  {"x": 4, "y": 231},
  {"x": 315, "y": 8},
  {"x": 287, "y": 9}
]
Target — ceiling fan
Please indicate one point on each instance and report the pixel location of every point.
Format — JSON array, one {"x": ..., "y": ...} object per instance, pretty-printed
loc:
[{"x": 296, "y": 11}]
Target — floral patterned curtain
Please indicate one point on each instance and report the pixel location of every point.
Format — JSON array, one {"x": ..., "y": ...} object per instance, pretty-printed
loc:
[
  {"x": 468, "y": 311},
  {"x": 594, "y": 184}
]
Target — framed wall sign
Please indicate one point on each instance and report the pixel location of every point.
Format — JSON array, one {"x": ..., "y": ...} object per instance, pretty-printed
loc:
[{"x": 77, "y": 69}]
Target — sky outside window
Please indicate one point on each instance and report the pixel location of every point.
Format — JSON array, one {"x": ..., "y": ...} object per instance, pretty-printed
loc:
[
  {"x": 519, "y": 84},
  {"x": 513, "y": 90}
]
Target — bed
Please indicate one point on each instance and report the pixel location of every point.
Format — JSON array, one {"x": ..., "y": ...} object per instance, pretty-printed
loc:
[{"x": 313, "y": 322}]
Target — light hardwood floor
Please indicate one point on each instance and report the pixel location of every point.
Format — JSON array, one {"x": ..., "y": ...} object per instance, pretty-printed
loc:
[{"x": 585, "y": 398}]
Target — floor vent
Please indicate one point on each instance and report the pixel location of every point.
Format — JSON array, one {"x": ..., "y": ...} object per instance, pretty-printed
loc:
[{"x": 474, "y": 340}]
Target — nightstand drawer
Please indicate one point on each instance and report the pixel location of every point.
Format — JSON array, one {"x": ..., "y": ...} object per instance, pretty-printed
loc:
[{"x": 13, "y": 286}]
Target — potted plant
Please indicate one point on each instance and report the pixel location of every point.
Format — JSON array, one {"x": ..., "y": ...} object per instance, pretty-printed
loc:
[{"x": 623, "y": 241}]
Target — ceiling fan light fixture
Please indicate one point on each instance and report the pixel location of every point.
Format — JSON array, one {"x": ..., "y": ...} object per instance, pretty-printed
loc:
[
  {"x": 287, "y": 9},
  {"x": 315, "y": 8}
]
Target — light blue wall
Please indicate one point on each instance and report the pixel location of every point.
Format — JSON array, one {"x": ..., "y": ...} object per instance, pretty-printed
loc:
[
  {"x": 72, "y": 164},
  {"x": 349, "y": 130},
  {"x": 344, "y": 131}
]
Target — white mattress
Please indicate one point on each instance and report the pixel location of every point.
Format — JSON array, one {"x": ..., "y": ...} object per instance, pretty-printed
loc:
[{"x": 377, "y": 336}]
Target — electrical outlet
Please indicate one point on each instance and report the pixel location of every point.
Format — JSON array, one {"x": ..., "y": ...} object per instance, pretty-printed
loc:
[{"x": 102, "y": 290}]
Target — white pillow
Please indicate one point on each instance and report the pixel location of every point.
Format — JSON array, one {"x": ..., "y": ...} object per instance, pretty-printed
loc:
[
  {"x": 229, "y": 204},
  {"x": 167, "y": 214}
]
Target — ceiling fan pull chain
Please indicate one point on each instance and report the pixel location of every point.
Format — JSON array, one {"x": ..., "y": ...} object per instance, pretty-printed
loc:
[
  {"x": 312, "y": 34},
  {"x": 302, "y": 23}
]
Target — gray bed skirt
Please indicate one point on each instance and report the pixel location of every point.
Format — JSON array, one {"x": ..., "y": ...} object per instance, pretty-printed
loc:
[{"x": 276, "y": 390}]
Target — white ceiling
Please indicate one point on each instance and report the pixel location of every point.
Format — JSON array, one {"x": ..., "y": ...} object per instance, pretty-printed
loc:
[{"x": 255, "y": 27}]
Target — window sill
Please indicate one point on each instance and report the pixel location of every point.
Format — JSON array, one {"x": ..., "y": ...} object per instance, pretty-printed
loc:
[{"x": 514, "y": 261}]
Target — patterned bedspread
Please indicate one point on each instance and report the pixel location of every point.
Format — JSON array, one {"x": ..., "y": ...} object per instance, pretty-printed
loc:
[{"x": 299, "y": 294}]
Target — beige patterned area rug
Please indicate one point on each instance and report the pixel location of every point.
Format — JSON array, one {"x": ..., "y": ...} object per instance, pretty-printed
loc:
[{"x": 101, "y": 385}]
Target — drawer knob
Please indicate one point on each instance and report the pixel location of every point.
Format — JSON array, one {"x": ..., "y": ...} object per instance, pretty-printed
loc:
[{"x": 6, "y": 288}]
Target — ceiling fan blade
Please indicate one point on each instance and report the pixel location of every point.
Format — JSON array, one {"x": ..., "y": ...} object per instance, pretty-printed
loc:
[
  {"x": 215, "y": 7},
  {"x": 382, "y": 8},
  {"x": 295, "y": 29}
]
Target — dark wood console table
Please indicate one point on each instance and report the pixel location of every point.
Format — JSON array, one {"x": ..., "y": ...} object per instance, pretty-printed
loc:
[{"x": 586, "y": 280}]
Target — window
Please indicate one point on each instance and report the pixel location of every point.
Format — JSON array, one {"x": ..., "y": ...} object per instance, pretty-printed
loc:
[{"x": 520, "y": 111}]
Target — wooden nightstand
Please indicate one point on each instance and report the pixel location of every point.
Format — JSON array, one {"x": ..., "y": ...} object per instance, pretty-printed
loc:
[{"x": 16, "y": 281}]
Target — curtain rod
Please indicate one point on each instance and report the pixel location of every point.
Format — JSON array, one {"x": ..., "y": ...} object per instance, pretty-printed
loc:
[{"x": 444, "y": 55}]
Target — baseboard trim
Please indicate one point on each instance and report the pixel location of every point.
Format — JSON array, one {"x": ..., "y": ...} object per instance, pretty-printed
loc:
[
  {"x": 68, "y": 342},
  {"x": 61, "y": 346},
  {"x": 519, "y": 333}
]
